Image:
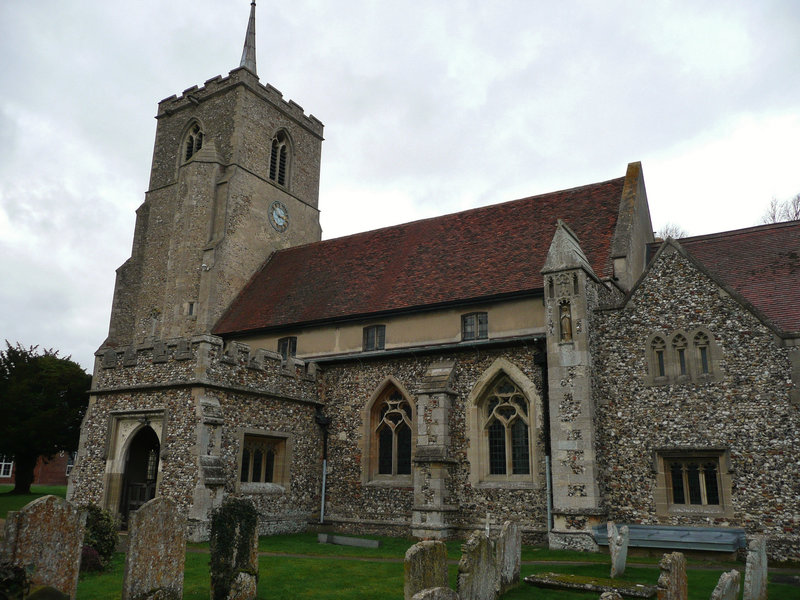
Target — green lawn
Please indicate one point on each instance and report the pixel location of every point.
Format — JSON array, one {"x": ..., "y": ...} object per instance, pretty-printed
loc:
[
  {"x": 348, "y": 573},
  {"x": 13, "y": 502}
]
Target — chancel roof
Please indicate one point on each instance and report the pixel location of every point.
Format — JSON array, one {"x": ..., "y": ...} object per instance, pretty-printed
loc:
[
  {"x": 762, "y": 264},
  {"x": 462, "y": 257}
]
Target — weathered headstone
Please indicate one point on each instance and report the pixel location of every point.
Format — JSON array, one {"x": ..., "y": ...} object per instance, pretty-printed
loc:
[
  {"x": 478, "y": 575},
  {"x": 156, "y": 552},
  {"x": 672, "y": 583},
  {"x": 509, "y": 555},
  {"x": 727, "y": 586},
  {"x": 425, "y": 567},
  {"x": 618, "y": 547},
  {"x": 755, "y": 574},
  {"x": 438, "y": 593},
  {"x": 234, "y": 551},
  {"x": 46, "y": 537},
  {"x": 611, "y": 596}
]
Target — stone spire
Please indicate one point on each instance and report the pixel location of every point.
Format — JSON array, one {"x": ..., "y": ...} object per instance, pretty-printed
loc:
[{"x": 249, "y": 51}]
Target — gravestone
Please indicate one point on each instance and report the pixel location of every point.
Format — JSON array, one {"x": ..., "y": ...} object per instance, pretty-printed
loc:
[
  {"x": 46, "y": 537},
  {"x": 234, "y": 551},
  {"x": 478, "y": 575},
  {"x": 611, "y": 596},
  {"x": 727, "y": 586},
  {"x": 425, "y": 567},
  {"x": 755, "y": 574},
  {"x": 672, "y": 583},
  {"x": 618, "y": 547},
  {"x": 509, "y": 555},
  {"x": 438, "y": 593},
  {"x": 156, "y": 552}
]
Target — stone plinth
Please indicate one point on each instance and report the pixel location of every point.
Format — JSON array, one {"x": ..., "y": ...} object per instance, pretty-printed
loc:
[
  {"x": 46, "y": 537},
  {"x": 156, "y": 552}
]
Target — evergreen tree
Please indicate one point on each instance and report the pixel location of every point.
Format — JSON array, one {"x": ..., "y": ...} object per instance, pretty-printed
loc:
[{"x": 42, "y": 400}]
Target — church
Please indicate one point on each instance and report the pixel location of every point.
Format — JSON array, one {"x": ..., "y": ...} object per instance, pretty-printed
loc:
[{"x": 542, "y": 359}]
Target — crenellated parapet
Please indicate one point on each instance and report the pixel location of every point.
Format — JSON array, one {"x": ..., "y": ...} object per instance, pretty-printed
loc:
[
  {"x": 195, "y": 95},
  {"x": 203, "y": 360}
]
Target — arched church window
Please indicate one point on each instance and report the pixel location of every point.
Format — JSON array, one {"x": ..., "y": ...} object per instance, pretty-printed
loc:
[
  {"x": 679, "y": 346},
  {"x": 279, "y": 159},
  {"x": 506, "y": 423},
  {"x": 702, "y": 347},
  {"x": 657, "y": 349},
  {"x": 393, "y": 435},
  {"x": 193, "y": 142}
]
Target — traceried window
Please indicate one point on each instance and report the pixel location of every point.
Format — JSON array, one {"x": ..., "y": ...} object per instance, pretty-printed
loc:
[
  {"x": 287, "y": 347},
  {"x": 258, "y": 459},
  {"x": 279, "y": 159},
  {"x": 374, "y": 338},
  {"x": 393, "y": 435},
  {"x": 475, "y": 326},
  {"x": 6, "y": 466},
  {"x": 506, "y": 423},
  {"x": 702, "y": 349},
  {"x": 657, "y": 351},
  {"x": 679, "y": 348},
  {"x": 193, "y": 142}
]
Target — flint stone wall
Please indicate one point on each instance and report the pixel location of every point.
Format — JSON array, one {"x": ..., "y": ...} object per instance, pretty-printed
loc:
[
  {"x": 425, "y": 567},
  {"x": 672, "y": 582},
  {"x": 156, "y": 552},
  {"x": 385, "y": 508},
  {"x": 478, "y": 573},
  {"x": 46, "y": 537},
  {"x": 746, "y": 410}
]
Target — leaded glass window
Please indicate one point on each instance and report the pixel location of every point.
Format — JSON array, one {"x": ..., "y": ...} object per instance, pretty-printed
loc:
[
  {"x": 507, "y": 426},
  {"x": 694, "y": 481},
  {"x": 393, "y": 433}
]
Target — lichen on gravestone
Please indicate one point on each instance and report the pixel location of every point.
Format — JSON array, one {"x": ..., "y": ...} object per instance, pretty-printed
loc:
[
  {"x": 45, "y": 537},
  {"x": 672, "y": 582},
  {"x": 509, "y": 556},
  {"x": 478, "y": 574},
  {"x": 156, "y": 552},
  {"x": 727, "y": 586},
  {"x": 618, "y": 548},
  {"x": 233, "y": 547},
  {"x": 425, "y": 567},
  {"x": 755, "y": 574}
]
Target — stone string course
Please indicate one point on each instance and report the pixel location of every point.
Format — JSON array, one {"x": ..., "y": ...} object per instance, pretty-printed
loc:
[{"x": 747, "y": 410}]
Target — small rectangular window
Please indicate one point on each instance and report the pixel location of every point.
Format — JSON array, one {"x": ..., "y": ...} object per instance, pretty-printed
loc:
[
  {"x": 475, "y": 326},
  {"x": 697, "y": 476},
  {"x": 6, "y": 466},
  {"x": 374, "y": 337},
  {"x": 259, "y": 458},
  {"x": 287, "y": 347}
]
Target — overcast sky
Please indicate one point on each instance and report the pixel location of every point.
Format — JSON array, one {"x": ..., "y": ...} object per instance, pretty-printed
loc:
[{"x": 429, "y": 107}]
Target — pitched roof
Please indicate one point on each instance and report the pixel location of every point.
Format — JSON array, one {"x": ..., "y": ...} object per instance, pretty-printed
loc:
[
  {"x": 460, "y": 257},
  {"x": 761, "y": 263}
]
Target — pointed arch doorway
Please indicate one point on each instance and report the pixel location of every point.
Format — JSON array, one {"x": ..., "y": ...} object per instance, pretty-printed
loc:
[{"x": 141, "y": 472}]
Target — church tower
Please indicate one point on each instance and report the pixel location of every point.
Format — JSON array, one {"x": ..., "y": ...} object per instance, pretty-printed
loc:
[{"x": 234, "y": 177}]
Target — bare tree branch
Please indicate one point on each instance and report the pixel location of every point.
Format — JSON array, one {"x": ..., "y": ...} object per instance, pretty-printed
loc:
[{"x": 671, "y": 230}]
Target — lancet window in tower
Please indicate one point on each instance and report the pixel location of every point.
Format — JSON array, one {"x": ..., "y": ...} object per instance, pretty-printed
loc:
[
  {"x": 507, "y": 424},
  {"x": 279, "y": 159},
  {"x": 193, "y": 143}
]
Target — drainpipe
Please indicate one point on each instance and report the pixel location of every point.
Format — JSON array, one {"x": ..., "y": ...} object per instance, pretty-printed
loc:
[
  {"x": 541, "y": 361},
  {"x": 324, "y": 422}
]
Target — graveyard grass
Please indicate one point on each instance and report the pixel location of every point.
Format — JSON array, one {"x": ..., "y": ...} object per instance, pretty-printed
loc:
[
  {"x": 15, "y": 502},
  {"x": 330, "y": 572}
]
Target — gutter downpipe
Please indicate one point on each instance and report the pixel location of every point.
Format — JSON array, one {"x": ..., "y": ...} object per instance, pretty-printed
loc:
[
  {"x": 324, "y": 422},
  {"x": 549, "y": 494}
]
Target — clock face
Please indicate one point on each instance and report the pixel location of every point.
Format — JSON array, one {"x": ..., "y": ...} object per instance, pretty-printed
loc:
[{"x": 279, "y": 216}]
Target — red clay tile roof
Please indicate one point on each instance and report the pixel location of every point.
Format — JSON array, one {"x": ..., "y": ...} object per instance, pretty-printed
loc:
[
  {"x": 460, "y": 257},
  {"x": 760, "y": 263}
]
